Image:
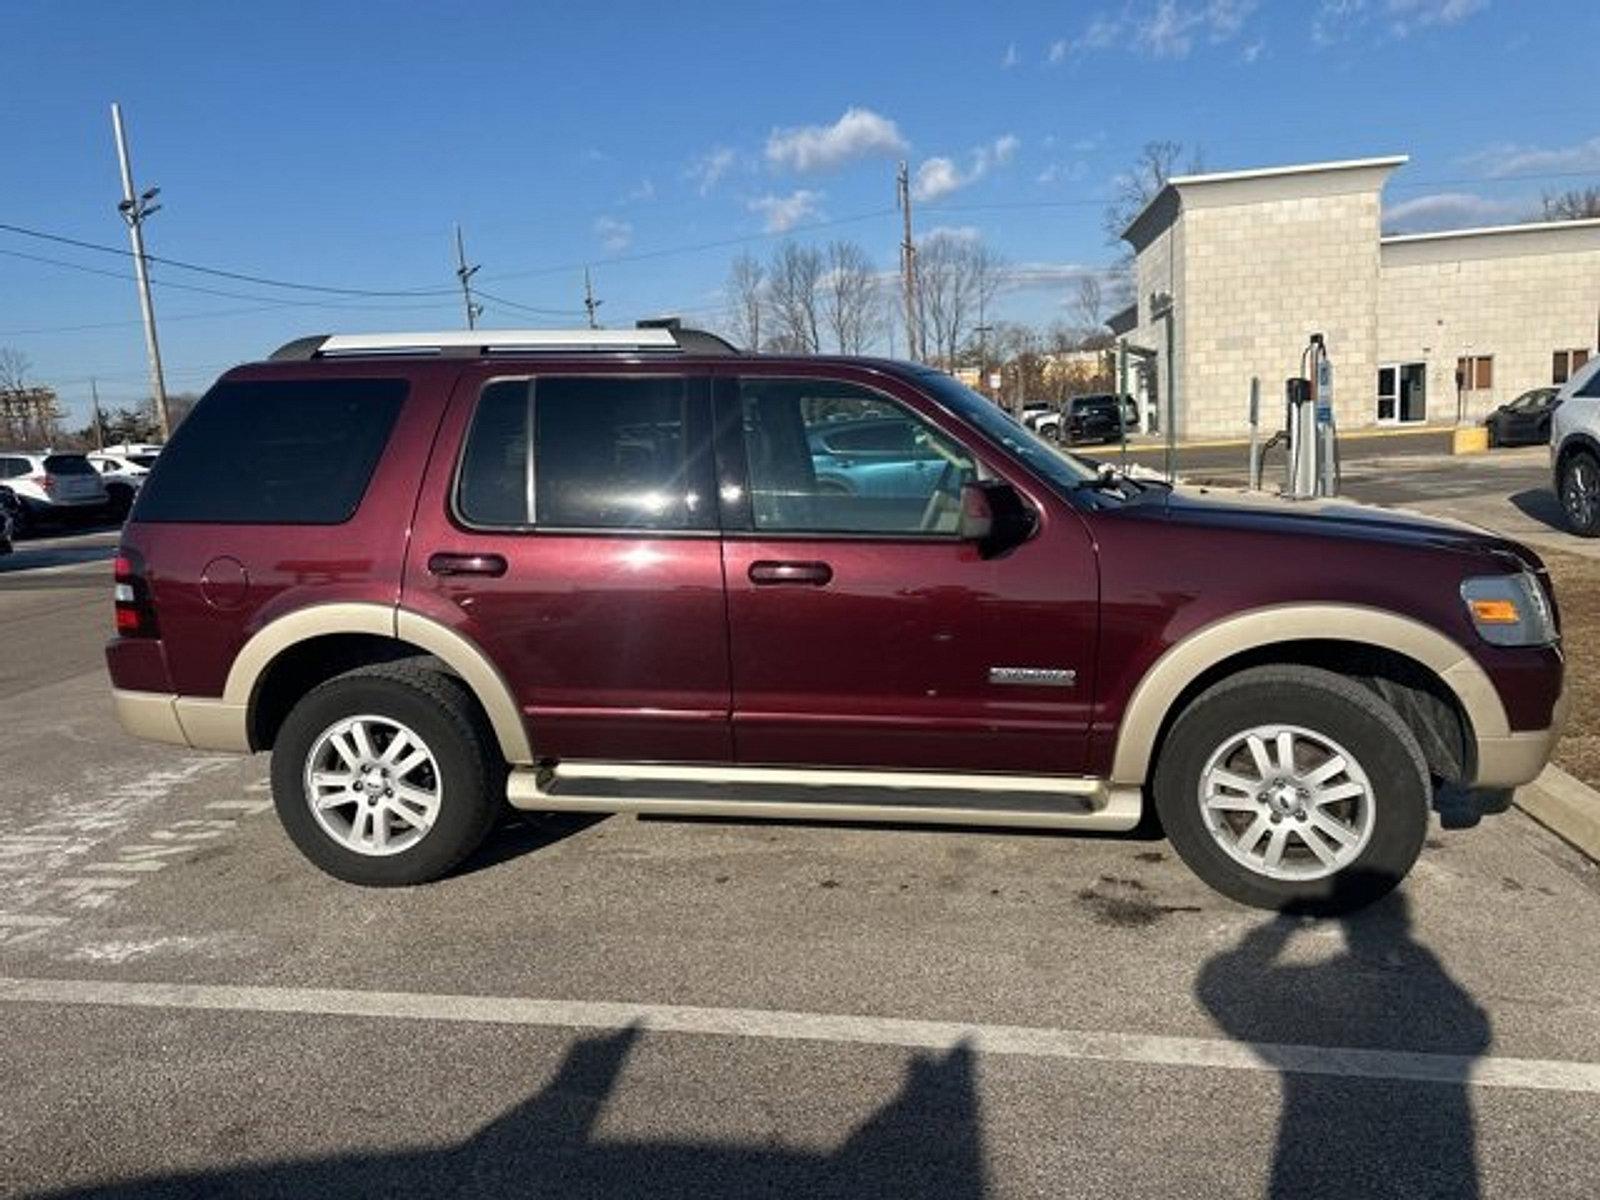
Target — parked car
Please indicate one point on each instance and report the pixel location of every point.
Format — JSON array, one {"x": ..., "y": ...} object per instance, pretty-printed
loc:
[
  {"x": 1093, "y": 419},
  {"x": 1524, "y": 421},
  {"x": 123, "y": 470},
  {"x": 879, "y": 457},
  {"x": 52, "y": 487},
  {"x": 1575, "y": 449},
  {"x": 9, "y": 508},
  {"x": 599, "y": 571},
  {"x": 1043, "y": 418}
]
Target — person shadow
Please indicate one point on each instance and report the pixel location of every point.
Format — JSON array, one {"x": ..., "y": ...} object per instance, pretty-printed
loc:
[
  {"x": 926, "y": 1140},
  {"x": 1341, "y": 1133}
]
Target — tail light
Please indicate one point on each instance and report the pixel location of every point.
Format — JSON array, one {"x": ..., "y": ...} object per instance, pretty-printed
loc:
[
  {"x": 46, "y": 481},
  {"x": 135, "y": 614}
]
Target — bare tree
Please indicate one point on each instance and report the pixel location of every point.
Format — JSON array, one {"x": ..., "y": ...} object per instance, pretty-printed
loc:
[
  {"x": 29, "y": 414},
  {"x": 746, "y": 299},
  {"x": 14, "y": 368},
  {"x": 956, "y": 278},
  {"x": 1143, "y": 181},
  {"x": 794, "y": 296},
  {"x": 851, "y": 304},
  {"x": 1576, "y": 205},
  {"x": 1089, "y": 304}
]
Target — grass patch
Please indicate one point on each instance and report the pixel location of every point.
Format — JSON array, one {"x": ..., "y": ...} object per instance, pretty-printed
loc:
[{"x": 1577, "y": 581}]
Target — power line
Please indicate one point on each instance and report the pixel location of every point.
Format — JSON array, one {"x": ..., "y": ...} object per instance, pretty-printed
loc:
[
  {"x": 527, "y": 308},
  {"x": 219, "y": 272}
]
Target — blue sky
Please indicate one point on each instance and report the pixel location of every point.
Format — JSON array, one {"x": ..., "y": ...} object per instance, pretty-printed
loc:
[{"x": 336, "y": 143}]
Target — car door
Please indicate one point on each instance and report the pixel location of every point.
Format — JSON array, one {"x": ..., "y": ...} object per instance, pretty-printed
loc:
[
  {"x": 573, "y": 538},
  {"x": 862, "y": 630}
]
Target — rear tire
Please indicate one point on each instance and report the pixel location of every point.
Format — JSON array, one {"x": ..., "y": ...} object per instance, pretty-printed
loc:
[
  {"x": 1580, "y": 493},
  {"x": 354, "y": 809},
  {"x": 1345, "y": 834}
]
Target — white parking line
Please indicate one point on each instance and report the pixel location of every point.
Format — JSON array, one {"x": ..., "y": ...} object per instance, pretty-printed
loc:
[{"x": 1085, "y": 1045}]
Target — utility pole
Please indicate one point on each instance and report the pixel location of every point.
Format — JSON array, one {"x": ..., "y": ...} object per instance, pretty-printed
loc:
[
  {"x": 135, "y": 209},
  {"x": 589, "y": 302},
  {"x": 465, "y": 273},
  {"x": 983, "y": 331},
  {"x": 99, "y": 427},
  {"x": 908, "y": 267}
]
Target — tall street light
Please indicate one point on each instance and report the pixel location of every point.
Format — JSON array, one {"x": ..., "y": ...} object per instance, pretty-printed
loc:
[{"x": 135, "y": 208}]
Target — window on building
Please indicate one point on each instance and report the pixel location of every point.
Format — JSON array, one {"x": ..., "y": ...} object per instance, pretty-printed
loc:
[
  {"x": 1565, "y": 363},
  {"x": 1475, "y": 373}
]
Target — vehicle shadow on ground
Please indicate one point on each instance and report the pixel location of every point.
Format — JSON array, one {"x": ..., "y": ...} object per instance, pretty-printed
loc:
[
  {"x": 1340, "y": 1136},
  {"x": 522, "y": 833},
  {"x": 1541, "y": 504},
  {"x": 924, "y": 1142}
]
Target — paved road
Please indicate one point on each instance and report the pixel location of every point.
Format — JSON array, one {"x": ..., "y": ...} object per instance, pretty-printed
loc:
[{"x": 625, "y": 1007}]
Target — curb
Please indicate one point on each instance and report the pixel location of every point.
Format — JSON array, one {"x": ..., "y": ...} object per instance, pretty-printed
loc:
[{"x": 1567, "y": 807}]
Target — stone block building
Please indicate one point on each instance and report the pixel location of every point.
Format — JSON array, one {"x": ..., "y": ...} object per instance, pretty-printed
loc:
[{"x": 1235, "y": 271}]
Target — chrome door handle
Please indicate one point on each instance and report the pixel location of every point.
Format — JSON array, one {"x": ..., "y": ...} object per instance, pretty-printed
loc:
[
  {"x": 492, "y": 565},
  {"x": 810, "y": 574}
]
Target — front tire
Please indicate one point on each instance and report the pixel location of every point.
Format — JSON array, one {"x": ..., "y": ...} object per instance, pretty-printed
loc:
[
  {"x": 1294, "y": 788},
  {"x": 1580, "y": 493},
  {"x": 388, "y": 775}
]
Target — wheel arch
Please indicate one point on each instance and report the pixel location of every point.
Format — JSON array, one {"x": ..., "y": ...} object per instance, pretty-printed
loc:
[
  {"x": 1573, "y": 444},
  {"x": 344, "y": 635},
  {"x": 1306, "y": 633}
]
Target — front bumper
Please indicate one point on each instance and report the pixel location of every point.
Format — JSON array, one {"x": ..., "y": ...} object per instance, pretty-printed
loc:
[{"x": 1517, "y": 758}]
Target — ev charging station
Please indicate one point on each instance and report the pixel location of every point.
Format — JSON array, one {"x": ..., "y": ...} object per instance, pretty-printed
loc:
[{"x": 1309, "y": 430}]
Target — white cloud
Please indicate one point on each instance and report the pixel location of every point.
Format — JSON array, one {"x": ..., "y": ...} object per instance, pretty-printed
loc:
[
  {"x": 1058, "y": 52},
  {"x": 1447, "y": 210},
  {"x": 1102, "y": 34},
  {"x": 614, "y": 235},
  {"x": 961, "y": 233},
  {"x": 1511, "y": 159},
  {"x": 1011, "y": 59},
  {"x": 711, "y": 166},
  {"x": 939, "y": 176},
  {"x": 783, "y": 213},
  {"x": 1170, "y": 29},
  {"x": 1253, "y": 51},
  {"x": 1062, "y": 173},
  {"x": 644, "y": 190},
  {"x": 860, "y": 133},
  {"x": 1337, "y": 20}
]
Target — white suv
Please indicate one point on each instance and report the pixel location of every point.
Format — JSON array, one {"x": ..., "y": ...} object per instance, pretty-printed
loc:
[
  {"x": 1575, "y": 449},
  {"x": 52, "y": 487},
  {"x": 123, "y": 469}
]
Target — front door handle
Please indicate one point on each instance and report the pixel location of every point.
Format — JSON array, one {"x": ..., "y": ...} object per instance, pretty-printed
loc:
[
  {"x": 492, "y": 565},
  {"x": 808, "y": 574}
]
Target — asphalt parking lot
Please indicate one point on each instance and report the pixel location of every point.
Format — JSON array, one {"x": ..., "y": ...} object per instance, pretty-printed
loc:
[{"x": 631, "y": 1007}]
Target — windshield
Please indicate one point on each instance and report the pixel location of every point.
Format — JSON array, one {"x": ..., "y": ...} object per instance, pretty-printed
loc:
[{"x": 1061, "y": 470}]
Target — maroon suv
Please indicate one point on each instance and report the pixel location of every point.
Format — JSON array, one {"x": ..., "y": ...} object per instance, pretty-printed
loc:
[{"x": 606, "y": 571}]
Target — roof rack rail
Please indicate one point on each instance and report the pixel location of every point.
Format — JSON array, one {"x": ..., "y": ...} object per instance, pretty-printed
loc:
[{"x": 654, "y": 338}]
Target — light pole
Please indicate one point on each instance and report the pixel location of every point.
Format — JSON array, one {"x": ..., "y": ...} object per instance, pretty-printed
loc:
[
  {"x": 135, "y": 209},
  {"x": 983, "y": 332}
]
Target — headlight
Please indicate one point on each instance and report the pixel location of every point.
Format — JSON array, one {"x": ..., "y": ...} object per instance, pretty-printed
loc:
[{"x": 1509, "y": 610}]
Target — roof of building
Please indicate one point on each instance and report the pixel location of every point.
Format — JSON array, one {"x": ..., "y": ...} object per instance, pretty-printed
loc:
[
  {"x": 1177, "y": 182},
  {"x": 1488, "y": 230}
]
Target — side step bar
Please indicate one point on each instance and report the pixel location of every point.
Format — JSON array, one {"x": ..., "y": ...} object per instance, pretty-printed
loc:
[{"x": 912, "y": 797}]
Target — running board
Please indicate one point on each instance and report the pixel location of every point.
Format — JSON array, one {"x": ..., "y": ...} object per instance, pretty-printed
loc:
[{"x": 912, "y": 797}]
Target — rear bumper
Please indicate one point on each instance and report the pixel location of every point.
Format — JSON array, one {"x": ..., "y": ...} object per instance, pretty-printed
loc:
[
  {"x": 1517, "y": 758},
  {"x": 182, "y": 721}
]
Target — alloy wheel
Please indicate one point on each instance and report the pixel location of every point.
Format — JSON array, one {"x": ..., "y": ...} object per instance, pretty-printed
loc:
[
  {"x": 373, "y": 785},
  {"x": 1286, "y": 802}
]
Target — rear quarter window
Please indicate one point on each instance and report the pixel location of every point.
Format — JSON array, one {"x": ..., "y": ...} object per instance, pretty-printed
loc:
[
  {"x": 68, "y": 464},
  {"x": 274, "y": 452}
]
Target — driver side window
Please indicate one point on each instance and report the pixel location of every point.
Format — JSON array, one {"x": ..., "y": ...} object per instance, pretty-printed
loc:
[{"x": 828, "y": 457}]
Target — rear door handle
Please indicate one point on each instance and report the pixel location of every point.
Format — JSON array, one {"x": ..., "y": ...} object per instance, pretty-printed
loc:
[
  {"x": 492, "y": 565},
  {"x": 810, "y": 574}
]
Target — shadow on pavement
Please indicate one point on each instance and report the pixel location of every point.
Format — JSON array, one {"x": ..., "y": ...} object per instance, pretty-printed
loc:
[
  {"x": 1541, "y": 504},
  {"x": 924, "y": 1142},
  {"x": 1382, "y": 990},
  {"x": 524, "y": 833}
]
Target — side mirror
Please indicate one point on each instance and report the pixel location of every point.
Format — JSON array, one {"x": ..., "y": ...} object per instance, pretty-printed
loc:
[{"x": 995, "y": 517}]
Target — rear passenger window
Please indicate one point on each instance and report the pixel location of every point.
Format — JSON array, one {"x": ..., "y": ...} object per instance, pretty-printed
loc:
[
  {"x": 285, "y": 452},
  {"x": 607, "y": 453}
]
